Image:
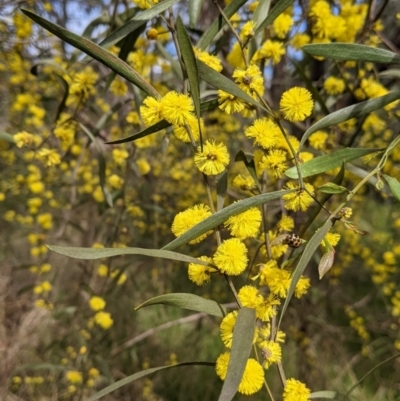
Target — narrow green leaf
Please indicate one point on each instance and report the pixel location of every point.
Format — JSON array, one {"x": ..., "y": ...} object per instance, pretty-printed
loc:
[
  {"x": 261, "y": 12},
  {"x": 390, "y": 73},
  {"x": 331, "y": 188},
  {"x": 155, "y": 10},
  {"x": 100, "y": 253},
  {"x": 206, "y": 106},
  {"x": 349, "y": 112},
  {"x": 243, "y": 335},
  {"x": 209, "y": 35},
  {"x": 189, "y": 60},
  {"x": 41, "y": 366},
  {"x": 65, "y": 87},
  {"x": 310, "y": 86},
  {"x": 102, "y": 165},
  {"x": 352, "y": 51},
  {"x": 120, "y": 383},
  {"x": 306, "y": 256},
  {"x": 328, "y": 162},
  {"x": 394, "y": 186},
  {"x": 194, "y": 11},
  {"x": 219, "y": 217},
  {"x": 326, "y": 262},
  {"x": 324, "y": 198},
  {"x": 120, "y": 33},
  {"x": 248, "y": 160},
  {"x": 147, "y": 131},
  {"x": 102, "y": 20},
  {"x": 6, "y": 137},
  {"x": 323, "y": 394},
  {"x": 221, "y": 182},
  {"x": 279, "y": 8},
  {"x": 187, "y": 301},
  {"x": 97, "y": 52},
  {"x": 219, "y": 81}
]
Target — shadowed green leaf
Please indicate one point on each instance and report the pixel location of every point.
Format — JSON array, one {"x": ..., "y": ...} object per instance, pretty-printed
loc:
[
  {"x": 219, "y": 217},
  {"x": 206, "y": 106},
  {"x": 187, "y": 301},
  {"x": 120, "y": 383},
  {"x": 279, "y": 8},
  {"x": 97, "y": 52},
  {"x": 351, "y": 51},
  {"x": 221, "y": 181},
  {"x": 194, "y": 11},
  {"x": 65, "y": 87},
  {"x": 100, "y": 253},
  {"x": 328, "y": 162},
  {"x": 350, "y": 112},
  {"x": 261, "y": 12},
  {"x": 390, "y": 73},
  {"x": 209, "y": 35},
  {"x": 394, "y": 186},
  {"x": 248, "y": 160},
  {"x": 306, "y": 256},
  {"x": 189, "y": 60},
  {"x": 219, "y": 81},
  {"x": 243, "y": 335},
  {"x": 102, "y": 165},
  {"x": 155, "y": 10}
]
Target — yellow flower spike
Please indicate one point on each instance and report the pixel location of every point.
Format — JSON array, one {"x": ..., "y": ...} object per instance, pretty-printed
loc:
[
  {"x": 296, "y": 391},
  {"x": 185, "y": 220},
  {"x": 231, "y": 257},
  {"x": 253, "y": 376},
  {"x": 213, "y": 159},
  {"x": 176, "y": 108},
  {"x": 200, "y": 274},
  {"x": 244, "y": 225},
  {"x": 296, "y": 104}
]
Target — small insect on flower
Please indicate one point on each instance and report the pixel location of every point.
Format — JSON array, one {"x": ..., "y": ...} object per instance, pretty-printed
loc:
[{"x": 293, "y": 240}]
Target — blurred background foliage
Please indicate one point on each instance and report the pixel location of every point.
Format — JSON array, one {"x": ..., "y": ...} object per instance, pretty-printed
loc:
[{"x": 51, "y": 347}]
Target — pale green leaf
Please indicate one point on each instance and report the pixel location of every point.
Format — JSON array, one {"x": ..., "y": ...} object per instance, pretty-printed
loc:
[
  {"x": 194, "y": 11},
  {"x": 332, "y": 188},
  {"x": 221, "y": 181},
  {"x": 120, "y": 383},
  {"x": 326, "y": 262},
  {"x": 351, "y": 51},
  {"x": 279, "y": 8},
  {"x": 6, "y": 137},
  {"x": 349, "y": 112},
  {"x": 306, "y": 256},
  {"x": 189, "y": 60},
  {"x": 395, "y": 73},
  {"x": 394, "y": 186},
  {"x": 187, "y": 301},
  {"x": 261, "y": 12},
  {"x": 209, "y": 35},
  {"x": 219, "y": 217},
  {"x": 243, "y": 335},
  {"x": 328, "y": 162},
  {"x": 219, "y": 81},
  {"x": 155, "y": 10},
  {"x": 100, "y": 253},
  {"x": 248, "y": 160},
  {"x": 97, "y": 52}
]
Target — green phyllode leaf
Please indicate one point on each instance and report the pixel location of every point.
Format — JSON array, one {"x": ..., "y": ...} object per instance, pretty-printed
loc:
[
  {"x": 328, "y": 162},
  {"x": 243, "y": 335},
  {"x": 279, "y": 8},
  {"x": 194, "y": 11},
  {"x": 187, "y": 301},
  {"x": 219, "y": 217},
  {"x": 353, "y": 52},
  {"x": 394, "y": 186},
  {"x": 100, "y": 253},
  {"x": 349, "y": 112},
  {"x": 306, "y": 256},
  {"x": 189, "y": 60},
  {"x": 120, "y": 383},
  {"x": 95, "y": 51}
]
